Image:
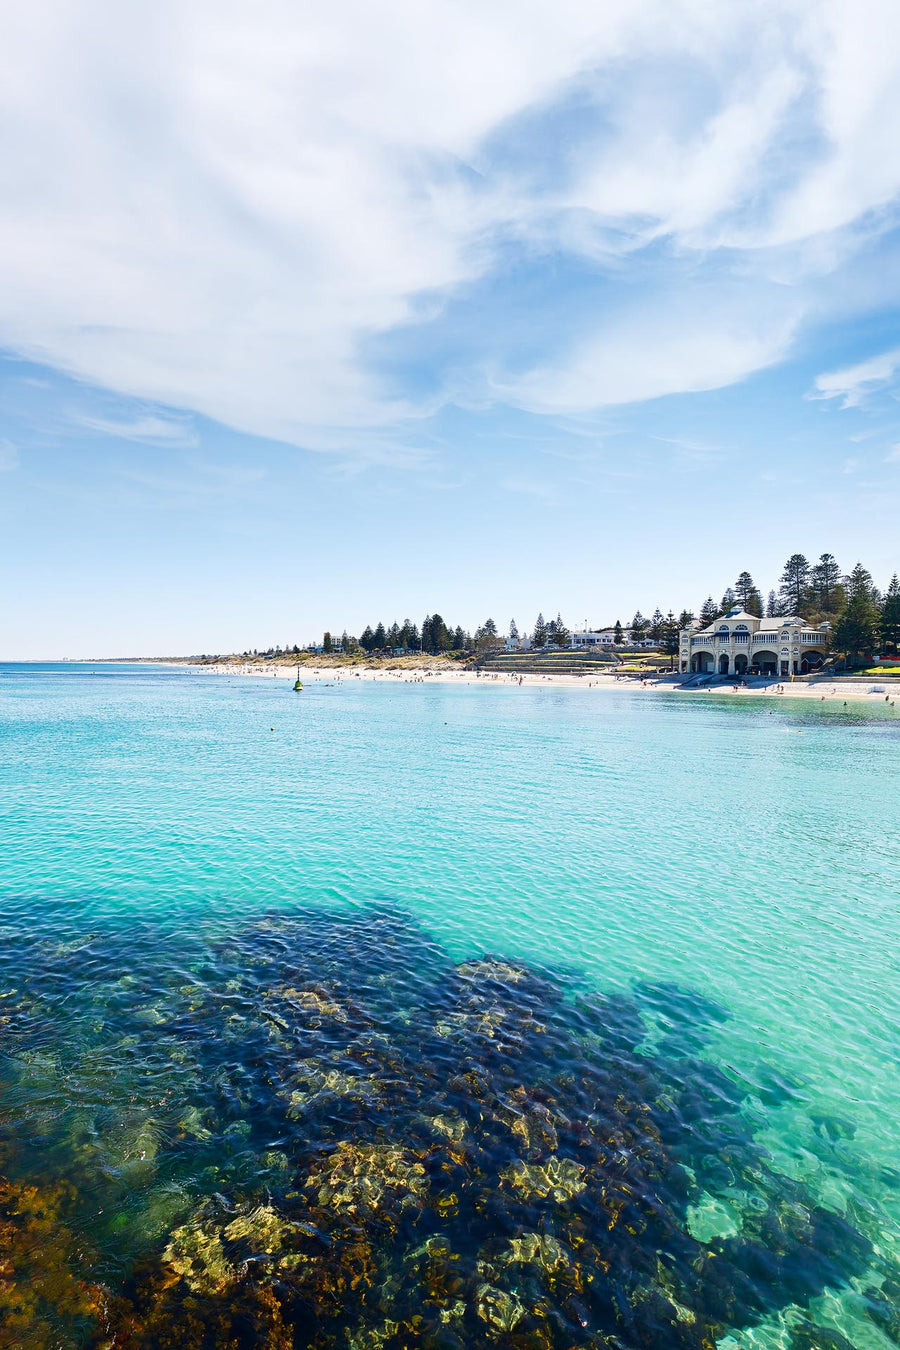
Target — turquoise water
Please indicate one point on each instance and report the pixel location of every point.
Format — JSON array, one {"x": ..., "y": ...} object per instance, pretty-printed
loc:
[{"x": 742, "y": 852}]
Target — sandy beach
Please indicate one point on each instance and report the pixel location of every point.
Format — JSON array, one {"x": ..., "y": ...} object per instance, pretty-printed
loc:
[{"x": 826, "y": 691}]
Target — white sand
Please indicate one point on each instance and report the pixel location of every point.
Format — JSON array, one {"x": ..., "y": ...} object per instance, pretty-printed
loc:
[{"x": 826, "y": 691}]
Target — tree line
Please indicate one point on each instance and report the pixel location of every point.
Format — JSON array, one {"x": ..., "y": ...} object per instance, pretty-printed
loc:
[
  {"x": 862, "y": 619},
  {"x": 434, "y": 637}
]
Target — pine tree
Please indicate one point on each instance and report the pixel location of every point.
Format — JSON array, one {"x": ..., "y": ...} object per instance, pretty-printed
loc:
[
  {"x": 655, "y": 631},
  {"x": 825, "y": 585},
  {"x": 379, "y": 637},
  {"x": 794, "y": 586},
  {"x": 708, "y": 612},
  {"x": 490, "y": 628},
  {"x": 685, "y": 618},
  {"x": 728, "y": 602},
  {"x": 459, "y": 640},
  {"x": 858, "y": 583},
  {"x": 367, "y": 641},
  {"x": 638, "y": 628},
  {"x": 890, "y": 615},
  {"x": 618, "y": 634},
  {"x": 856, "y": 631},
  {"x": 771, "y": 606},
  {"x": 326, "y": 643},
  {"x": 513, "y": 631},
  {"x": 539, "y": 637},
  {"x": 748, "y": 594},
  {"x": 560, "y": 632},
  {"x": 744, "y": 588},
  {"x": 669, "y": 635},
  {"x": 441, "y": 641}
]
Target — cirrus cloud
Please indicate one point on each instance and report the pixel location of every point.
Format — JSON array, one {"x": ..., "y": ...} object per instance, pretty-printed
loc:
[
  {"x": 854, "y": 384},
  {"x": 223, "y": 209}
]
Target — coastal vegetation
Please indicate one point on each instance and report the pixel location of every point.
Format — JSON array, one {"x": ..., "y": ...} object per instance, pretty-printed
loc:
[{"x": 862, "y": 621}]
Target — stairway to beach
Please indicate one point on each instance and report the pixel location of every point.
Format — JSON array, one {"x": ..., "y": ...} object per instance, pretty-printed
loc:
[{"x": 562, "y": 662}]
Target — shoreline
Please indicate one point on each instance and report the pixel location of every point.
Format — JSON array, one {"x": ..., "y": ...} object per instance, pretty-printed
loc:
[{"x": 828, "y": 692}]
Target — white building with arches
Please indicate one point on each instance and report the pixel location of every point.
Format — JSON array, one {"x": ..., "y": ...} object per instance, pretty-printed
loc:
[{"x": 740, "y": 644}]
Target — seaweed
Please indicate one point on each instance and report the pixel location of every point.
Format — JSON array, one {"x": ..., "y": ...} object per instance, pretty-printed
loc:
[{"x": 316, "y": 1130}]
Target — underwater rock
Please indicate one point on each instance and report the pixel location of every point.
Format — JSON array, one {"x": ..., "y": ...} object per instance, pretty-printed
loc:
[
  {"x": 501, "y": 1311},
  {"x": 482, "y": 1022},
  {"x": 315, "y": 1083},
  {"x": 450, "y": 1125},
  {"x": 491, "y": 969},
  {"x": 192, "y": 1122},
  {"x": 357, "y": 1145},
  {"x": 368, "y": 1179},
  {"x": 538, "y": 1249},
  {"x": 530, "y": 1120},
  {"x": 316, "y": 1001},
  {"x": 262, "y": 1228},
  {"x": 558, "y": 1179},
  {"x": 41, "y": 1286},
  {"x": 883, "y": 1306},
  {"x": 811, "y": 1337},
  {"x": 195, "y": 1253}
]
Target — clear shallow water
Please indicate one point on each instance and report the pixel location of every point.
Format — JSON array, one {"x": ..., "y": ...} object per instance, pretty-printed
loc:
[{"x": 742, "y": 857}]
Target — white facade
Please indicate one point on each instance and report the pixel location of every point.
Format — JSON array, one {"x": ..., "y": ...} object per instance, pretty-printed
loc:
[
  {"x": 741, "y": 644},
  {"x": 604, "y": 638}
]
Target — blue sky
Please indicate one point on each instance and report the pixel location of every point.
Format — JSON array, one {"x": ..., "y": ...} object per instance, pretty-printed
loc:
[{"x": 313, "y": 318}]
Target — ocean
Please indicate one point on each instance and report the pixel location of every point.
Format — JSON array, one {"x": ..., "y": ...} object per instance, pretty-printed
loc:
[{"x": 445, "y": 1015}]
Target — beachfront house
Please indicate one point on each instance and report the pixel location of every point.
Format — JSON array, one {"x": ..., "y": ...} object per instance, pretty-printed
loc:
[
  {"x": 586, "y": 640},
  {"x": 741, "y": 644}
]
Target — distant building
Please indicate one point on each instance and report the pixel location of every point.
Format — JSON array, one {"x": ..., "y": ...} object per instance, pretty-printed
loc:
[
  {"x": 741, "y": 644},
  {"x": 603, "y": 638},
  {"x": 606, "y": 637}
]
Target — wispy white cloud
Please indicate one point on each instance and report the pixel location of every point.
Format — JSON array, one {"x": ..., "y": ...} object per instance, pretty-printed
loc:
[
  {"x": 200, "y": 479},
  {"x": 650, "y": 353},
  {"x": 229, "y": 223},
  {"x": 150, "y": 428},
  {"x": 854, "y": 384}
]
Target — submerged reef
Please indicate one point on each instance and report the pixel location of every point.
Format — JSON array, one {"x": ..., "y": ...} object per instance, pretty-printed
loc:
[{"x": 319, "y": 1131}]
